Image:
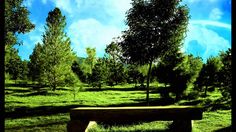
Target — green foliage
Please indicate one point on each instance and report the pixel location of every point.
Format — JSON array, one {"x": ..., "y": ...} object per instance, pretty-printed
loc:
[
  {"x": 53, "y": 59},
  {"x": 177, "y": 66},
  {"x": 36, "y": 63},
  {"x": 76, "y": 68},
  {"x": 116, "y": 72},
  {"x": 16, "y": 17},
  {"x": 99, "y": 73},
  {"x": 16, "y": 22},
  {"x": 115, "y": 66},
  {"x": 156, "y": 27},
  {"x": 225, "y": 74},
  {"x": 208, "y": 74},
  {"x": 17, "y": 68},
  {"x": 91, "y": 58},
  {"x": 134, "y": 75}
]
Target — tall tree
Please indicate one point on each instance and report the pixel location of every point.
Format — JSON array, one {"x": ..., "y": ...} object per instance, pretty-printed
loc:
[
  {"x": 16, "y": 22},
  {"x": 56, "y": 52},
  {"x": 155, "y": 28}
]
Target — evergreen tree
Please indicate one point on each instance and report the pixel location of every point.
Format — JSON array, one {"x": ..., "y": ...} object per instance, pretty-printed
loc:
[{"x": 56, "y": 54}]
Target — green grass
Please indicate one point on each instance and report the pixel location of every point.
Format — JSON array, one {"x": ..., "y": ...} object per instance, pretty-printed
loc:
[{"x": 29, "y": 111}]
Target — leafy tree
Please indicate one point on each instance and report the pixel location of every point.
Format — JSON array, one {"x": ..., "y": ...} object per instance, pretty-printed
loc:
[
  {"x": 56, "y": 52},
  {"x": 36, "y": 64},
  {"x": 76, "y": 68},
  {"x": 134, "y": 74},
  {"x": 16, "y": 22},
  {"x": 155, "y": 28},
  {"x": 177, "y": 66},
  {"x": 13, "y": 65},
  {"x": 225, "y": 74},
  {"x": 99, "y": 73},
  {"x": 208, "y": 74},
  {"x": 161, "y": 73},
  {"x": 195, "y": 64},
  {"x": 115, "y": 65},
  {"x": 116, "y": 72},
  {"x": 24, "y": 70}
]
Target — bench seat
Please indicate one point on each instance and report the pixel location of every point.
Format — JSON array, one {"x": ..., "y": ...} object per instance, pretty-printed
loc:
[{"x": 181, "y": 115}]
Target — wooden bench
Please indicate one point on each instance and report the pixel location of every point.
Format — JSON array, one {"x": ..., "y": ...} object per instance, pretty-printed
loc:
[{"x": 181, "y": 115}]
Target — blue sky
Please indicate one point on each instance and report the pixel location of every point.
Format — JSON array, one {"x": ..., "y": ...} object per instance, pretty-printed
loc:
[{"x": 94, "y": 23}]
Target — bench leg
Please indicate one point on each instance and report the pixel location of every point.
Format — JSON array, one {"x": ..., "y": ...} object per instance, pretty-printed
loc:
[
  {"x": 182, "y": 126},
  {"x": 77, "y": 126}
]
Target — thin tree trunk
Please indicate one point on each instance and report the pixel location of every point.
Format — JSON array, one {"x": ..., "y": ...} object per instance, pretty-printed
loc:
[
  {"x": 148, "y": 79},
  {"x": 206, "y": 90}
]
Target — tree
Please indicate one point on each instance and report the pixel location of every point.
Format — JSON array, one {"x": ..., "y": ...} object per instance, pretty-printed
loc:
[
  {"x": 155, "y": 28},
  {"x": 16, "y": 22},
  {"x": 24, "y": 70},
  {"x": 208, "y": 74},
  {"x": 196, "y": 64},
  {"x": 134, "y": 74},
  {"x": 225, "y": 74},
  {"x": 99, "y": 73},
  {"x": 115, "y": 65},
  {"x": 13, "y": 64},
  {"x": 36, "y": 64},
  {"x": 56, "y": 52},
  {"x": 76, "y": 68}
]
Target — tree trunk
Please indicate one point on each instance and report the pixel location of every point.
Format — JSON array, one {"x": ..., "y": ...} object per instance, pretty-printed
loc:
[
  {"x": 206, "y": 90},
  {"x": 54, "y": 87},
  {"x": 148, "y": 79},
  {"x": 177, "y": 97}
]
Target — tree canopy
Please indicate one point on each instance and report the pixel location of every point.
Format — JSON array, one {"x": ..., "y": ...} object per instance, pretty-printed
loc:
[{"x": 156, "y": 28}]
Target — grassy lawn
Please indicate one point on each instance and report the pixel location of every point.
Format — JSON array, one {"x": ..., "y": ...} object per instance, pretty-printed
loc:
[{"x": 45, "y": 110}]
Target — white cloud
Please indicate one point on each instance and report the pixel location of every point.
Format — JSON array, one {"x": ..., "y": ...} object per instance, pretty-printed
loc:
[
  {"x": 111, "y": 10},
  {"x": 44, "y": 1},
  {"x": 91, "y": 33},
  {"x": 208, "y": 39},
  {"x": 64, "y": 5},
  {"x": 28, "y": 3},
  {"x": 212, "y": 23},
  {"x": 215, "y": 14}
]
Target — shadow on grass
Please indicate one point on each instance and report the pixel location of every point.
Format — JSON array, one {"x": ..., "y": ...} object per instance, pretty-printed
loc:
[
  {"x": 20, "y": 112},
  {"x": 226, "y": 129},
  {"x": 38, "y": 93},
  {"x": 152, "y": 89}
]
